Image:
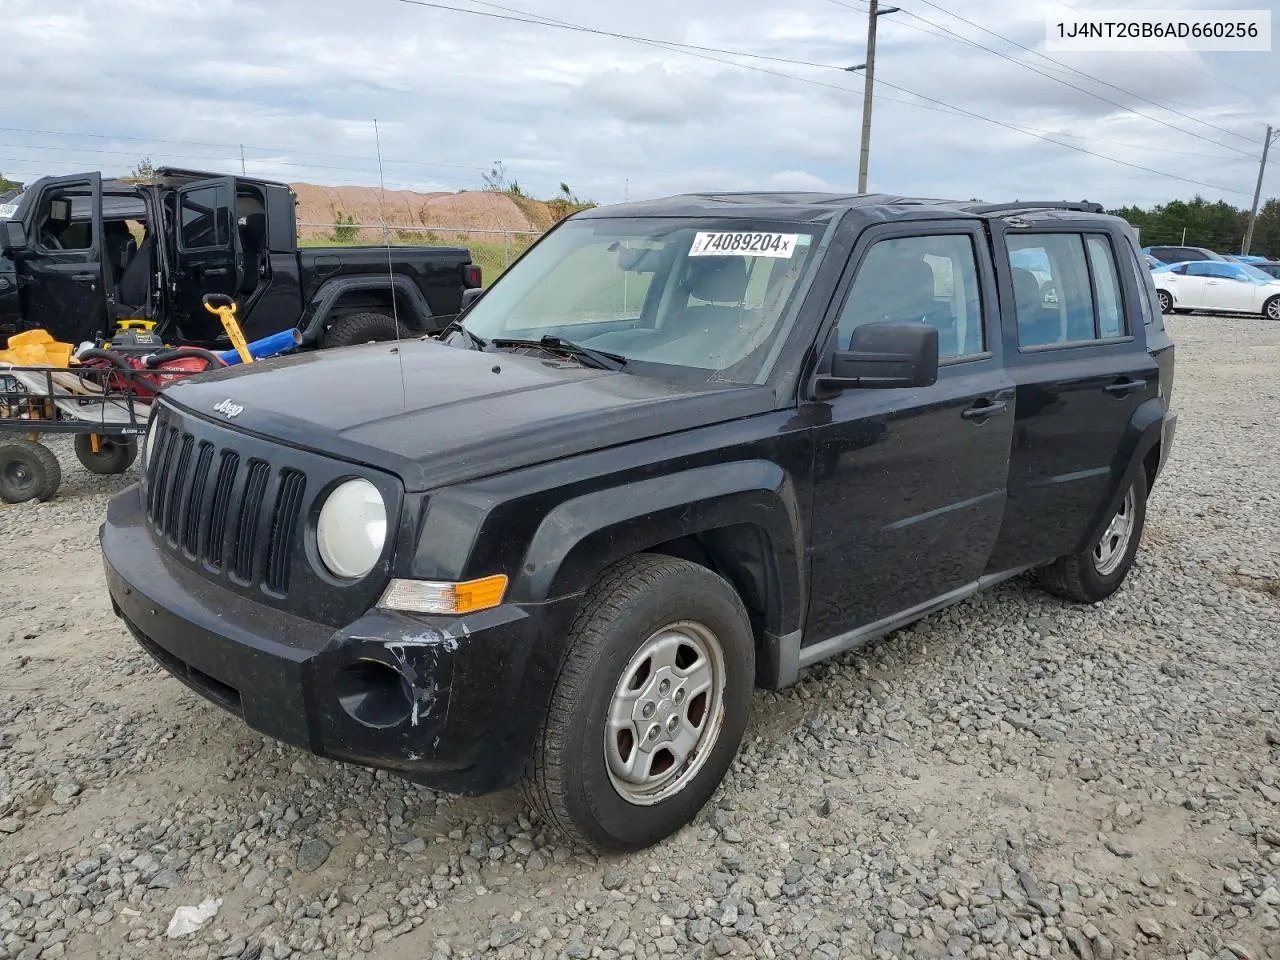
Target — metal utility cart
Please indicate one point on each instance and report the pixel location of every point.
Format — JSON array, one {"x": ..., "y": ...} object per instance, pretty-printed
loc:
[{"x": 104, "y": 408}]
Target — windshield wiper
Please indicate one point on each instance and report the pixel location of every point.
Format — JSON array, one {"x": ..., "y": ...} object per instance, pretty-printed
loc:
[
  {"x": 478, "y": 342},
  {"x": 594, "y": 358}
]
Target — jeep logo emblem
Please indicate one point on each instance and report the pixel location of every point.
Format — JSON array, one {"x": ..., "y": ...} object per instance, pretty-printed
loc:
[{"x": 228, "y": 409}]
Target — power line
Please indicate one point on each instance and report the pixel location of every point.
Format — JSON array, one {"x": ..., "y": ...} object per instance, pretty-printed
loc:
[
  {"x": 521, "y": 16},
  {"x": 579, "y": 28},
  {"x": 1087, "y": 76},
  {"x": 1067, "y": 83},
  {"x": 1183, "y": 63}
]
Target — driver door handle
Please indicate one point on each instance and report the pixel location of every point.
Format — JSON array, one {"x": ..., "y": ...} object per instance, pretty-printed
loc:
[
  {"x": 216, "y": 272},
  {"x": 85, "y": 278},
  {"x": 984, "y": 409}
]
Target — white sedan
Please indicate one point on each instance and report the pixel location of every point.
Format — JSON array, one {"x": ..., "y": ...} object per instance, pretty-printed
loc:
[{"x": 1217, "y": 286}]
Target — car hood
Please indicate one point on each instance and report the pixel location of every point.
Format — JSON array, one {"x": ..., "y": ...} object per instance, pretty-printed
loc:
[{"x": 455, "y": 414}]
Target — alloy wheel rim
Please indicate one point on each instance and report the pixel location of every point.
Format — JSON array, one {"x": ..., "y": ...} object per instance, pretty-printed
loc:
[
  {"x": 1273, "y": 309},
  {"x": 666, "y": 713},
  {"x": 1114, "y": 544}
]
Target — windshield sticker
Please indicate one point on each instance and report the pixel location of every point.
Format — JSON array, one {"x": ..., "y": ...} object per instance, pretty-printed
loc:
[
  {"x": 780, "y": 245},
  {"x": 7, "y": 210}
]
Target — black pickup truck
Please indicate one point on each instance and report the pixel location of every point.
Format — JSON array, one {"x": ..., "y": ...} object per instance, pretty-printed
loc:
[
  {"x": 681, "y": 449},
  {"x": 79, "y": 253}
]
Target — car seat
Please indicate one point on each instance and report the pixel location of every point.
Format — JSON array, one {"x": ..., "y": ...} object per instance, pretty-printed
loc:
[{"x": 1037, "y": 326}]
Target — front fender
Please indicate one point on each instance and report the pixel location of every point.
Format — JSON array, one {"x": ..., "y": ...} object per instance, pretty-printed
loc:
[{"x": 579, "y": 538}]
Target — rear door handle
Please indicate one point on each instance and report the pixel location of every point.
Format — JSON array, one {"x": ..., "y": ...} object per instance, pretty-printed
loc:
[
  {"x": 1126, "y": 387},
  {"x": 984, "y": 409},
  {"x": 85, "y": 278}
]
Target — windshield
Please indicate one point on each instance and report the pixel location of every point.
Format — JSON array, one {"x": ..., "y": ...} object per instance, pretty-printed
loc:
[
  {"x": 1253, "y": 273},
  {"x": 700, "y": 296}
]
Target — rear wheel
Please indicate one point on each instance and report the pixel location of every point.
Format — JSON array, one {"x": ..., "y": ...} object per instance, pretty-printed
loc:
[
  {"x": 1097, "y": 573},
  {"x": 362, "y": 328},
  {"x": 1271, "y": 309},
  {"x": 28, "y": 471},
  {"x": 1166, "y": 301},
  {"x": 113, "y": 455},
  {"x": 649, "y": 708}
]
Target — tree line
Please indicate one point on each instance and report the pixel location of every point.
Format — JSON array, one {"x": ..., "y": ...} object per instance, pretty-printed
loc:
[{"x": 1199, "y": 223}]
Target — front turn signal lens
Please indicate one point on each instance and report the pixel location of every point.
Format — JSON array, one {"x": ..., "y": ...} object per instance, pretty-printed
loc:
[{"x": 429, "y": 596}]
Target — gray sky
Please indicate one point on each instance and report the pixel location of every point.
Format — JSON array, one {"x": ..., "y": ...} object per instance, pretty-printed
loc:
[{"x": 298, "y": 82}]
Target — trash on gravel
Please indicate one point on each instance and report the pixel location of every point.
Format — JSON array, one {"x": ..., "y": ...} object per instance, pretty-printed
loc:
[{"x": 187, "y": 920}]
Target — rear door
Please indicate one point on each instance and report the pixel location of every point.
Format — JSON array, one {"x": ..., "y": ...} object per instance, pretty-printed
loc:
[
  {"x": 208, "y": 257},
  {"x": 1082, "y": 370},
  {"x": 909, "y": 485},
  {"x": 65, "y": 289}
]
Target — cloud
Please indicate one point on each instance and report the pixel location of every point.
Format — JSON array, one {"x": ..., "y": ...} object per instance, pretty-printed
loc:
[{"x": 298, "y": 84}]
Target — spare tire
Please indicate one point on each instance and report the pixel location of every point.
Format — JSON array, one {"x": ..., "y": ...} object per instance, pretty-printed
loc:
[{"x": 362, "y": 328}]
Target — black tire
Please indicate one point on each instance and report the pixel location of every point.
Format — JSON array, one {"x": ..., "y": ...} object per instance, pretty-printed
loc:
[
  {"x": 1077, "y": 577},
  {"x": 568, "y": 781},
  {"x": 1166, "y": 301},
  {"x": 1271, "y": 309},
  {"x": 28, "y": 471},
  {"x": 362, "y": 328},
  {"x": 114, "y": 455}
]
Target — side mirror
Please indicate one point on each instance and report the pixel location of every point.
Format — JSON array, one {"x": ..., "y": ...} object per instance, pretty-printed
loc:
[
  {"x": 13, "y": 236},
  {"x": 885, "y": 356},
  {"x": 471, "y": 295}
]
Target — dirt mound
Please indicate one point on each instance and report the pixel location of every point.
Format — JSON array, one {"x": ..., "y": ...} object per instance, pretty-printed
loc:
[{"x": 320, "y": 207}]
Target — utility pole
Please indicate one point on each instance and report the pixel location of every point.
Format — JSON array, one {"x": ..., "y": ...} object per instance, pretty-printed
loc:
[
  {"x": 243, "y": 172},
  {"x": 873, "y": 15},
  {"x": 1257, "y": 194}
]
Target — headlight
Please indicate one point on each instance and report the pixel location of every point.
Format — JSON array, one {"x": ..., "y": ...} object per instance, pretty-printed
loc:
[
  {"x": 352, "y": 529},
  {"x": 148, "y": 442}
]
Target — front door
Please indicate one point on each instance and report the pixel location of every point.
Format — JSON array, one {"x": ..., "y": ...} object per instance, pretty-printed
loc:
[
  {"x": 1082, "y": 370},
  {"x": 909, "y": 484},
  {"x": 1229, "y": 287},
  {"x": 64, "y": 288},
  {"x": 208, "y": 256}
]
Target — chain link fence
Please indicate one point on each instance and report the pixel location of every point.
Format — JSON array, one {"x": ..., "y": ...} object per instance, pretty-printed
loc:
[{"x": 492, "y": 250}]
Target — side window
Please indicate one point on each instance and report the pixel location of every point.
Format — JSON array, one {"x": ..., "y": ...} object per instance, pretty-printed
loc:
[
  {"x": 1066, "y": 289},
  {"x": 206, "y": 222},
  {"x": 932, "y": 279},
  {"x": 57, "y": 229},
  {"x": 1107, "y": 284},
  {"x": 1200, "y": 270}
]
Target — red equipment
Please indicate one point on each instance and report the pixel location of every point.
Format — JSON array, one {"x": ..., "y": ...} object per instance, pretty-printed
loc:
[{"x": 154, "y": 371}]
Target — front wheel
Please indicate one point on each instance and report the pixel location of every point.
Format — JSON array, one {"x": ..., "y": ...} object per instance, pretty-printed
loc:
[
  {"x": 649, "y": 708},
  {"x": 1097, "y": 573},
  {"x": 1271, "y": 309},
  {"x": 1166, "y": 301},
  {"x": 363, "y": 328}
]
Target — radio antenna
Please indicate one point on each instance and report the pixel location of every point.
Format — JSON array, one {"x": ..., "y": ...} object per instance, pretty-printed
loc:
[{"x": 386, "y": 241}]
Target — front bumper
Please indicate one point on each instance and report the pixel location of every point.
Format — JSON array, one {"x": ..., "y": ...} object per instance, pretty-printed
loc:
[{"x": 450, "y": 702}]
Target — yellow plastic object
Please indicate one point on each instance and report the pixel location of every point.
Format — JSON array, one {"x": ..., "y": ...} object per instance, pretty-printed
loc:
[
  {"x": 229, "y": 323},
  {"x": 147, "y": 326},
  {"x": 36, "y": 348}
]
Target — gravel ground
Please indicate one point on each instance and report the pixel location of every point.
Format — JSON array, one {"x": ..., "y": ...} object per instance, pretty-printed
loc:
[{"x": 1014, "y": 777}]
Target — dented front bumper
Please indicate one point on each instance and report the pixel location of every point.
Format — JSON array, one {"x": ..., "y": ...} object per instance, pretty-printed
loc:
[{"x": 451, "y": 702}]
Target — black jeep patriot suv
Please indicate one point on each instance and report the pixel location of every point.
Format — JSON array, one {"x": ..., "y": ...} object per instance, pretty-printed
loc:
[{"x": 681, "y": 449}]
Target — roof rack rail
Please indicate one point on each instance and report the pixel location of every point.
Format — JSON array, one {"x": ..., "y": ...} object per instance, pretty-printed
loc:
[{"x": 1084, "y": 206}]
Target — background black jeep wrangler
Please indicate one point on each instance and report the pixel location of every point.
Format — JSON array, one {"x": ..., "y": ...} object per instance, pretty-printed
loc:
[
  {"x": 79, "y": 253},
  {"x": 681, "y": 449}
]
